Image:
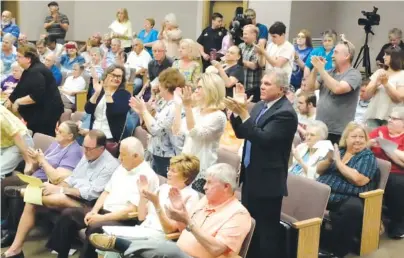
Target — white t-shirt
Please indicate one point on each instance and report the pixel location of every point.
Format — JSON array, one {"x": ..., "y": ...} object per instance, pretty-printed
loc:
[
  {"x": 286, "y": 50},
  {"x": 74, "y": 84},
  {"x": 122, "y": 187},
  {"x": 101, "y": 120},
  {"x": 58, "y": 50},
  {"x": 138, "y": 61}
]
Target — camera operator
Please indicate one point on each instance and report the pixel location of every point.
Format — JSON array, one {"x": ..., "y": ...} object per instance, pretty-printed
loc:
[
  {"x": 252, "y": 71},
  {"x": 395, "y": 36},
  {"x": 262, "y": 29},
  {"x": 210, "y": 40}
]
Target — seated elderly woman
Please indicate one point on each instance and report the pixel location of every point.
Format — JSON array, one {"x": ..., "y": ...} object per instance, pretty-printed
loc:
[
  {"x": 50, "y": 62},
  {"x": 349, "y": 172},
  {"x": 8, "y": 55},
  {"x": 189, "y": 64},
  {"x": 9, "y": 83},
  {"x": 155, "y": 222},
  {"x": 57, "y": 163},
  {"x": 94, "y": 68},
  {"x": 307, "y": 154},
  {"x": 73, "y": 85},
  {"x": 393, "y": 132},
  {"x": 70, "y": 58},
  {"x": 138, "y": 59}
]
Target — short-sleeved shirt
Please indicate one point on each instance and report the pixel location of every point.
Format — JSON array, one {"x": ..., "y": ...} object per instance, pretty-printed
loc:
[
  {"x": 73, "y": 84},
  {"x": 262, "y": 31},
  {"x": 150, "y": 37},
  {"x": 7, "y": 60},
  {"x": 67, "y": 64},
  {"x": 287, "y": 51},
  {"x": 61, "y": 157},
  {"x": 229, "y": 223},
  {"x": 336, "y": 111},
  {"x": 122, "y": 187},
  {"x": 379, "y": 153},
  {"x": 55, "y": 29},
  {"x": 297, "y": 72},
  {"x": 364, "y": 162},
  {"x": 57, "y": 74},
  {"x": 10, "y": 126},
  {"x": 11, "y": 28},
  {"x": 236, "y": 71},
  {"x": 252, "y": 78},
  {"x": 212, "y": 39},
  {"x": 320, "y": 51}
]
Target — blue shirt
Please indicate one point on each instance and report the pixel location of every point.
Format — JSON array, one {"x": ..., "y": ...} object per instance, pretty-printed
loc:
[
  {"x": 11, "y": 28},
  {"x": 298, "y": 169},
  {"x": 67, "y": 64},
  {"x": 7, "y": 62},
  {"x": 150, "y": 37},
  {"x": 320, "y": 51},
  {"x": 56, "y": 74},
  {"x": 297, "y": 72},
  {"x": 364, "y": 162},
  {"x": 262, "y": 31}
]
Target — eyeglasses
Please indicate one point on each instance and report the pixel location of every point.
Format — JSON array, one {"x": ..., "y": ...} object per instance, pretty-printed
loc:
[
  {"x": 347, "y": 45},
  {"x": 158, "y": 50},
  {"x": 116, "y": 76},
  {"x": 89, "y": 148},
  {"x": 301, "y": 36}
]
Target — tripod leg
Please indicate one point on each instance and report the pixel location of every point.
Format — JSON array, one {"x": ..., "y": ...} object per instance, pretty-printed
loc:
[
  {"x": 366, "y": 61},
  {"x": 358, "y": 58}
]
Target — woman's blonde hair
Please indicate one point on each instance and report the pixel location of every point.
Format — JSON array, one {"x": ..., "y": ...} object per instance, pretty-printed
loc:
[
  {"x": 171, "y": 19},
  {"x": 192, "y": 47},
  {"x": 187, "y": 165},
  {"x": 125, "y": 14},
  {"x": 351, "y": 126},
  {"x": 215, "y": 90}
]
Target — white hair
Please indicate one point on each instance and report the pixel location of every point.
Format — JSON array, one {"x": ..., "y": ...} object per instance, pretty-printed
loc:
[
  {"x": 16, "y": 65},
  {"x": 321, "y": 128},
  {"x": 133, "y": 145},
  {"x": 171, "y": 19},
  {"x": 281, "y": 78},
  {"x": 115, "y": 40},
  {"x": 225, "y": 173},
  {"x": 10, "y": 37},
  {"x": 137, "y": 40}
]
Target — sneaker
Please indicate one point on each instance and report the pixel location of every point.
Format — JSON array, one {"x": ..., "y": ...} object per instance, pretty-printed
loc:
[{"x": 103, "y": 242}]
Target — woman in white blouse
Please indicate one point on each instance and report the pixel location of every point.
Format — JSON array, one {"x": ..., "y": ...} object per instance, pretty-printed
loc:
[
  {"x": 386, "y": 88},
  {"x": 121, "y": 29},
  {"x": 171, "y": 35},
  {"x": 204, "y": 121},
  {"x": 73, "y": 84},
  {"x": 307, "y": 154}
]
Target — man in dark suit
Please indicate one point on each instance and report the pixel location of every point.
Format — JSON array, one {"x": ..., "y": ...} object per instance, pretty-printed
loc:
[{"x": 268, "y": 132}]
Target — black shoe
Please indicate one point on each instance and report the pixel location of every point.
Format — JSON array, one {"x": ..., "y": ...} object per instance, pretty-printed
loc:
[
  {"x": 326, "y": 254},
  {"x": 7, "y": 239},
  {"x": 20, "y": 255},
  {"x": 395, "y": 231},
  {"x": 12, "y": 191}
]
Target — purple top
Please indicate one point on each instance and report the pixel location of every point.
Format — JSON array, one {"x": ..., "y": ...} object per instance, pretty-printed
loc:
[
  {"x": 58, "y": 157},
  {"x": 8, "y": 79}
]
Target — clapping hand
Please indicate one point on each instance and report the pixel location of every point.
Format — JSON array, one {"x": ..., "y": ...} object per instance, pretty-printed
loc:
[
  {"x": 318, "y": 62},
  {"x": 186, "y": 96},
  {"x": 97, "y": 85},
  {"x": 216, "y": 64},
  {"x": 259, "y": 49},
  {"x": 142, "y": 184},
  {"x": 337, "y": 154},
  {"x": 383, "y": 78},
  {"x": 177, "y": 210},
  {"x": 138, "y": 105}
]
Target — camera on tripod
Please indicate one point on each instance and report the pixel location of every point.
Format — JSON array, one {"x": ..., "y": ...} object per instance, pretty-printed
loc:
[
  {"x": 237, "y": 24},
  {"x": 372, "y": 18}
]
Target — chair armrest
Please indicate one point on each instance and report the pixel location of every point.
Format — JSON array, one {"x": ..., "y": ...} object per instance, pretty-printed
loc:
[
  {"x": 132, "y": 215},
  {"x": 81, "y": 99},
  {"x": 372, "y": 193},
  {"x": 173, "y": 236},
  {"x": 308, "y": 237},
  {"x": 129, "y": 88}
]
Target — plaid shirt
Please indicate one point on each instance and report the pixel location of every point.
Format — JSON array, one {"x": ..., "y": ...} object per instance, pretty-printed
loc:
[
  {"x": 252, "y": 78},
  {"x": 364, "y": 162}
]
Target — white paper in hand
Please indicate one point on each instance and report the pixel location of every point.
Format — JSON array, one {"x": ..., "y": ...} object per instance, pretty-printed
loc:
[
  {"x": 124, "y": 231},
  {"x": 324, "y": 145},
  {"x": 154, "y": 83},
  {"x": 386, "y": 145}
]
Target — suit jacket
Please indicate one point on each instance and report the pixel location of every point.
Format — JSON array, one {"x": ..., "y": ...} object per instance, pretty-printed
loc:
[{"x": 271, "y": 142}]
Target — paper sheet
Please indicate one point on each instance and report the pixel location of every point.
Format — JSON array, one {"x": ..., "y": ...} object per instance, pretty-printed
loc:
[
  {"x": 324, "y": 145},
  {"x": 124, "y": 231},
  {"x": 33, "y": 194},
  {"x": 386, "y": 145},
  {"x": 33, "y": 181}
]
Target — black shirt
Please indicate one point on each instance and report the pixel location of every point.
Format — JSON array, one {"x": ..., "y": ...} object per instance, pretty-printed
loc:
[
  {"x": 386, "y": 46},
  {"x": 237, "y": 71},
  {"x": 155, "y": 68},
  {"x": 212, "y": 39}
]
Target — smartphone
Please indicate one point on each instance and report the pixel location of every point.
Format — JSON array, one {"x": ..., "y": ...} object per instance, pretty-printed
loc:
[{"x": 213, "y": 54}]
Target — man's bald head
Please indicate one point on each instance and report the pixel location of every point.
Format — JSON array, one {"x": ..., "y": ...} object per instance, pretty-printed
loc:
[
  {"x": 6, "y": 16},
  {"x": 50, "y": 60}
]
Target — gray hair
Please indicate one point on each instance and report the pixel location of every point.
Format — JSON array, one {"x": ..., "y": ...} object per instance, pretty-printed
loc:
[
  {"x": 349, "y": 47},
  {"x": 9, "y": 36},
  {"x": 397, "y": 32},
  {"x": 134, "y": 146},
  {"x": 116, "y": 41},
  {"x": 159, "y": 43},
  {"x": 321, "y": 128},
  {"x": 399, "y": 111},
  {"x": 281, "y": 78},
  {"x": 96, "y": 50},
  {"x": 137, "y": 40},
  {"x": 225, "y": 173},
  {"x": 171, "y": 19}
]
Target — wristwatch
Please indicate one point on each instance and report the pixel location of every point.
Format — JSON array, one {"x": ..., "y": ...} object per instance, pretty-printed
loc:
[{"x": 189, "y": 227}]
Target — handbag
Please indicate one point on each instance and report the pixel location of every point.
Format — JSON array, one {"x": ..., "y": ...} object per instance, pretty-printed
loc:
[{"x": 112, "y": 146}]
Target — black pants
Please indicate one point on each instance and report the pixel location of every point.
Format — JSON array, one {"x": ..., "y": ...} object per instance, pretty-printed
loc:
[
  {"x": 334, "y": 138},
  {"x": 393, "y": 199},
  {"x": 346, "y": 222},
  {"x": 160, "y": 165},
  {"x": 267, "y": 214},
  {"x": 69, "y": 223},
  {"x": 127, "y": 49}
]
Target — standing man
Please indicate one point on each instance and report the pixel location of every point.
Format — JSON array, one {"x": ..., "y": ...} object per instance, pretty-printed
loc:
[
  {"x": 211, "y": 39},
  {"x": 268, "y": 132},
  {"x": 7, "y": 25},
  {"x": 262, "y": 29},
  {"x": 56, "y": 24},
  {"x": 339, "y": 89}
]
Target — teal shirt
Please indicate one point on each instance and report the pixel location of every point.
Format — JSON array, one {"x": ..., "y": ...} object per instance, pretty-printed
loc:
[{"x": 320, "y": 51}]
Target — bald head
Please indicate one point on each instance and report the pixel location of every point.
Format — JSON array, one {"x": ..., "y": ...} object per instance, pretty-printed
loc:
[
  {"x": 50, "y": 60},
  {"x": 6, "y": 17}
]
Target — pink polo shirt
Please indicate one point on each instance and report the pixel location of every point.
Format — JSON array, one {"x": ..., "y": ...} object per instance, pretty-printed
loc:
[{"x": 229, "y": 223}]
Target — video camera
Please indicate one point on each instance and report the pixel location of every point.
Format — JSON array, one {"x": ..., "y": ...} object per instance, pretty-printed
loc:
[
  {"x": 237, "y": 24},
  {"x": 372, "y": 18}
]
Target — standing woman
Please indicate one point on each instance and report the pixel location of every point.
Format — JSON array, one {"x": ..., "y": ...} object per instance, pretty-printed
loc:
[
  {"x": 204, "y": 122},
  {"x": 303, "y": 48},
  {"x": 121, "y": 29},
  {"x": 148, "y": 35},
  {"x": 36, "y": 97},
  {"x": 108, "y": 106},
  {"x": 188, "y": 64},
  {"x": 171, "y": 35}
]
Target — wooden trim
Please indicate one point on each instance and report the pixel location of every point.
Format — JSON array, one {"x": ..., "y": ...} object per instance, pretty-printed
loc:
[
  {"x": 81, "y": 99},
  {"x": 308, "y": 237},
  {"x": 372, "y": 214},
  {"x": 245, "y": 5},
  {"x": 207, "y": 7},
  {"x": 129, "y": 87}
]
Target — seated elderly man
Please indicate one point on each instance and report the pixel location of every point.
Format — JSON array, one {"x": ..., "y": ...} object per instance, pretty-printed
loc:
[
  {"x": 23, "y": 40},
  {"x": 110, "y": 57},
  {"x": 216, "y": 227},
  {"x": 7, "y": 25},
  {"x": 42, "y": 50},
  {"x": 80, "y": 189},
  {"x": 114, "y": 207},
  {"x": 138, "y": 59},
  {"x": 50, "y": 62}
]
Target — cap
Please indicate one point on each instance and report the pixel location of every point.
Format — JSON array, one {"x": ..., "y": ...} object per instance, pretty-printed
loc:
[{"x": 53, "y": 3}]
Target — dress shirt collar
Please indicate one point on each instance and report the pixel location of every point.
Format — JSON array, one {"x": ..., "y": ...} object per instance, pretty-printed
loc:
[{"x": 271, "y": 103}]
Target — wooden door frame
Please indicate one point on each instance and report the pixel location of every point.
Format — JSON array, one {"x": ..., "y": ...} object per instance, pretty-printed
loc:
[
  {"x": 15, "y": 10},
  {"x": 207, "y": 10}
]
